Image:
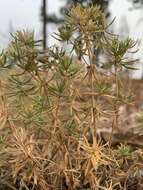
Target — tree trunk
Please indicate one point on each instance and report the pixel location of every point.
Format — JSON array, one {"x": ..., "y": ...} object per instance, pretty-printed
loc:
[{"x": 44, "y": 24}]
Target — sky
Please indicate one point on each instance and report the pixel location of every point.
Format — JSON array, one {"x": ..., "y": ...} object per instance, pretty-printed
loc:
[
  {"x": 25, "y": 14},
  {"x": 22, "y": 14}
]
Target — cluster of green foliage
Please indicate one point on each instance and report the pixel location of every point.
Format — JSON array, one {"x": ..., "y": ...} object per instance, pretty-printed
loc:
[
  {"x": 52, "y": 105},
  {"x": 53, "y": 18},
  {"x": 104, "y": 4}
]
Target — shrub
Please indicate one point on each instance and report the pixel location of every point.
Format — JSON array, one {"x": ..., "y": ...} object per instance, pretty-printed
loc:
[{"x": 53, "y": 103}]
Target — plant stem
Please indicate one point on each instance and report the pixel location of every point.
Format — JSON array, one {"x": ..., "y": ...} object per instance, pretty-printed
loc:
[
  {"x": 93, "y": 118},
  {"x": 116, "y": 108}
]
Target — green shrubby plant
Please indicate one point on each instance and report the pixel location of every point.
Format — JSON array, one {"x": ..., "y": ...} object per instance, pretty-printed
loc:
[{"x": 52, "y": 104}]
